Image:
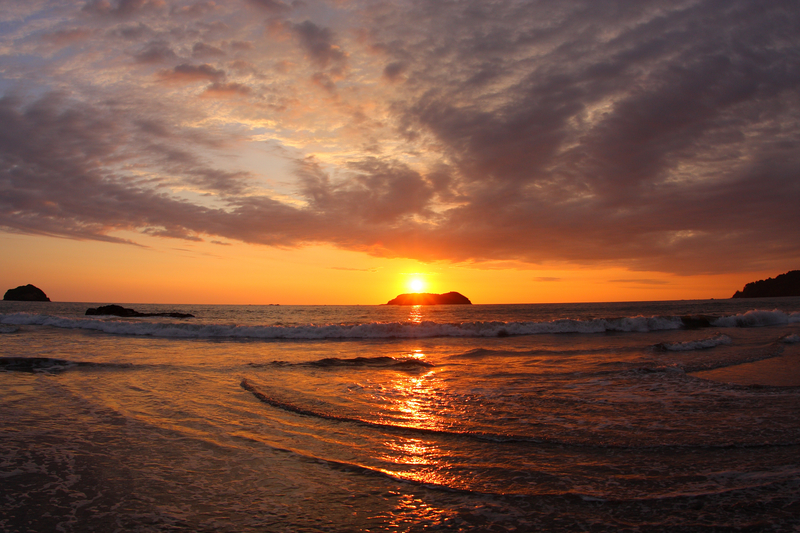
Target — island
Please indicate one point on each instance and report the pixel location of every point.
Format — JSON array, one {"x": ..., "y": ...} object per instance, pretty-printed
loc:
[
  {"x": 419, "y": 298},
  {"x": 787, "y": 284},
  {"x": 26, "y": 293},
  {"x": 118, "y": 310}
]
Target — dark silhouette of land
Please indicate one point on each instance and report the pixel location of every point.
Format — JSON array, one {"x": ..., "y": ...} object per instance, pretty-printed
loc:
[
  {"x": 448, "y": 298},
  {"x": 782, "y": 285},
  {"x": 26, "y": 293}
]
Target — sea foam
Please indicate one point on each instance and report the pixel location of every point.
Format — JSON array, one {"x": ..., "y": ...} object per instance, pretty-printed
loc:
[
  {"x": 702, "y": 344},
  {"x": 382, "y": 330}
]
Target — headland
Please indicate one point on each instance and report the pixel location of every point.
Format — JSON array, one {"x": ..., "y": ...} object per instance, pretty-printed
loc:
[{"x": 424, "y": 298}]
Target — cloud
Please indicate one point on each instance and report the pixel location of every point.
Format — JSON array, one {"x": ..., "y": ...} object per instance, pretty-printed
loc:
[
  {"x": 122, "y": 8},
  {"x": 196, "y": 9},
  {"x": 393, "y": 71},
  {"x": 187, "y": 73},
  {"x": 155, "y": 52},
  {"x": 319, "y": 44},
  {"x": 201, "y": 50},
  {"x": 226, "y": 90},
  {"x": 375, "y": 192},
  {"x": 68, "y": 37},
  {"x": 271, "y": 6},
  {"x": 643, "y": 281},
  {"x": 649, "y": 136}
]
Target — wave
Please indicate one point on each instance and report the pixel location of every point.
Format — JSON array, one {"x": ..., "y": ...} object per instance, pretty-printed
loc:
[
  {"x": 410, "y": 363},
  {"x": 401, "y": 330},
  {"x": 757, "y": 318},
  {"x": 49, "y": 364},
  {"x": 702, "y": 344},
  {"x": 499, "y": 438}
]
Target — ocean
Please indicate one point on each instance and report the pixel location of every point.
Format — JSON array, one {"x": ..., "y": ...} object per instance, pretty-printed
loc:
[{"x": 573, "y": 417}]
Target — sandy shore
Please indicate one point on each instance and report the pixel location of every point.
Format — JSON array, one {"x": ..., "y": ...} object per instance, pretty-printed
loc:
[{"x": 782, "y": 371}]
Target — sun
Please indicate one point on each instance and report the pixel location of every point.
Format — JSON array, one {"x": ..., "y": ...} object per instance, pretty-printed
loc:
[{"x": 416, "y": 284}]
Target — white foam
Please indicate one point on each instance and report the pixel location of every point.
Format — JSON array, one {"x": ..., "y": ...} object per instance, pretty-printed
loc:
[
  {"x": 702, "y": 344},
  {"x": 378, "y": 330},
  {"x": 756, "y": 318},
  {"x": 791, "y": 339},
  {"x": 337, "y": 331}
]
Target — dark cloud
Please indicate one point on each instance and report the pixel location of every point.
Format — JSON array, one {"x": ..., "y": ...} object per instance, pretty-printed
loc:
[
  {"x": 240, "y": 46},
  {"x": 650, "y": 136},
  {"x": 643, "y": 281},
  {"x": 376, "y": 192},
  {"x": 186, "y": 73},
  {"x": 155, "y": 52},
  {"x": 122, "y": 8},
  {"x": 203, "y": 50},
  {"x": 393, "y": 71},
  {"x": 225, "y": 90},
  {"x": 198, "y": 9},
  {"x": 318, "y": 43},
  {"x": 271, "y": 6},
  {"x": 57, "y": 161},
  {"x": 654, "y": 148}
]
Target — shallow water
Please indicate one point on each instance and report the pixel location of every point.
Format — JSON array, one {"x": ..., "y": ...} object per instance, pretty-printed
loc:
[{"x": 341, "y": 418}]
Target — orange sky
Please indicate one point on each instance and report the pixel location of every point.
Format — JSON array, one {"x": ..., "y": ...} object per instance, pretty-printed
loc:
[
  {"x": 88, "y": 271},
  {"x": 325, "y": 152}
]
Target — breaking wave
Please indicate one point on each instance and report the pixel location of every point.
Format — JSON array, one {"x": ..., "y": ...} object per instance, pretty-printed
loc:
[
  {"x": 757, "y": 318},
  {"x": 702, "y": 344},
  {"x": 791, "y": 339},
  {"x": 382, "y": 330}
]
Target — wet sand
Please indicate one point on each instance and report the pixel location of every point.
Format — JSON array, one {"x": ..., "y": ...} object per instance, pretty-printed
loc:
[{"x": 781, "y": 371}]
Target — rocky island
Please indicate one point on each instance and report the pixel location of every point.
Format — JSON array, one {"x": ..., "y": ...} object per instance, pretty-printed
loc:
[
  {"x": 26, "y": 293},
  {"x": 118, "y": 310},
  {"x": 448, "y": 298},
  {"x": 782, "y": 285}
]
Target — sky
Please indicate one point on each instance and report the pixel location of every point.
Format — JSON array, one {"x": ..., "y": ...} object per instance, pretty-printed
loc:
[{"x": 311, "y": 152}]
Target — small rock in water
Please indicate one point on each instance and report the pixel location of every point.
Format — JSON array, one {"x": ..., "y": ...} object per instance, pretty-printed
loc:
[{"x": 118, "y": 310}]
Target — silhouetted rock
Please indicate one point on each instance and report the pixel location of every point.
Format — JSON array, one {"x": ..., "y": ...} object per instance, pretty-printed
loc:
[
  {"x": 782, "y": 285},
  {"x": 26, "y": 293},
  {"x": 118, "y": 310},
  {"x": 448, "y": 298}
]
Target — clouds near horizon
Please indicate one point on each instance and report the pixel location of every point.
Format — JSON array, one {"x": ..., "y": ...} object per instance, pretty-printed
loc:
[{"x": 649, "y": 136}]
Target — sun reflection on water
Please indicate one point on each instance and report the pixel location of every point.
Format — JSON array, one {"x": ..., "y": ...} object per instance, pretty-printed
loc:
[
  {"x": 415, "y": 314},
  {"x": 417, "y": 402}
]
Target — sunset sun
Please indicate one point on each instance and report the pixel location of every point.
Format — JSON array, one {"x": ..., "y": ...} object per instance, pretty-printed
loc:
[{"x": 416, "y": 284}]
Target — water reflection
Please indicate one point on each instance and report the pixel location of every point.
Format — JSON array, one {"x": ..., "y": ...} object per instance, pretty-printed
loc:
[
  {"x": 418, "y": 401},
  {"x": 415, "y": 314}
]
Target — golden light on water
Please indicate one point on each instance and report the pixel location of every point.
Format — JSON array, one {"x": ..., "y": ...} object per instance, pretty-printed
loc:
[
  {"x": 418, "y": 458},
  {"x": 415, "y": 314}
]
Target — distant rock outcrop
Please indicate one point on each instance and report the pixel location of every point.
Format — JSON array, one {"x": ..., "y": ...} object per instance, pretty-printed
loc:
[
  {"x": 118, "y": 310},
  {"x": 782, "y": 285},
  {"x": 448, "y": 298},
  {"x": 26, "y": 293}
]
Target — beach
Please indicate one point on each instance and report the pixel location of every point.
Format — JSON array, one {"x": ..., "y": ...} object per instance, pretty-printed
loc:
[{"x": 602, "y": 417}]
